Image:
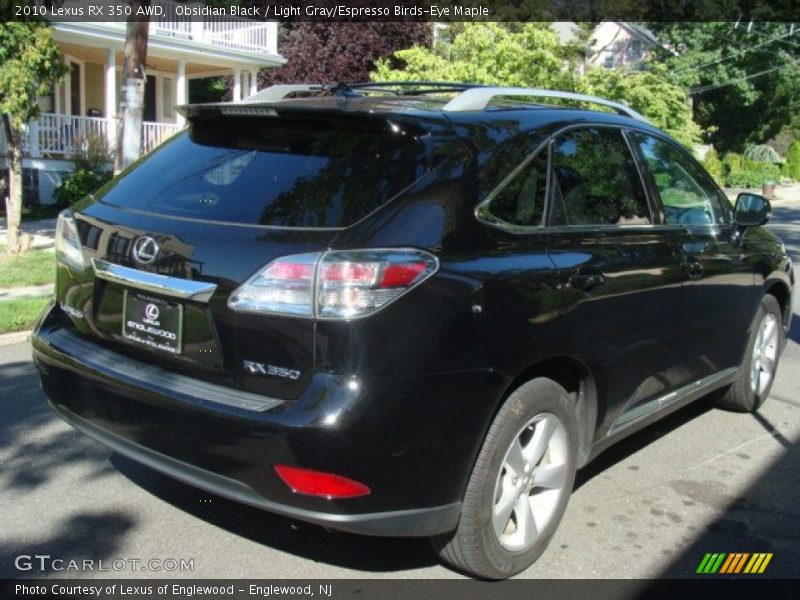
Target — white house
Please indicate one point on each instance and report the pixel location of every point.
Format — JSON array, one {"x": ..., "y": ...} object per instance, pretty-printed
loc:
[
  {"x": 86, "y": 103},
  {"x": 621, "y": 45},
  {"x": 612, "y": 44}
]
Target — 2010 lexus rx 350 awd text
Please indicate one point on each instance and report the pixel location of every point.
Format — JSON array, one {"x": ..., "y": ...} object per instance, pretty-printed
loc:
[{"x": 408, "y": 310}]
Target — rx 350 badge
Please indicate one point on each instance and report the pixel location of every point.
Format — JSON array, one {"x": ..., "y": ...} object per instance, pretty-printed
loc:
[{"x": 257, "y": 368}]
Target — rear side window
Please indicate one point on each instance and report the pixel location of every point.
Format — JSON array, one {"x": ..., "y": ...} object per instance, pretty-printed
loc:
[
  {"x": 521, "y": 201},
  {"x": 595, "y": 180},
  {"x": 275, "y": 171}
]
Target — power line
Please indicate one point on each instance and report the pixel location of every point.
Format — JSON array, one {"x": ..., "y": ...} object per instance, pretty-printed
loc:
[
  {"x": 751, "y": 29},
  {"x": 736, "y": 54},
  {"x": 707, "y": 88}
]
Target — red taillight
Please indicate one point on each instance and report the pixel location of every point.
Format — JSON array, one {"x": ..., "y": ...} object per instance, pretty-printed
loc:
[
  {"x": 290, "y": 271},
  {"x": 349, "y": 273},
  {"x": 401, "y": 275},
  {"x": 337, "y": 284},
  {"x": 317, "y": 483}
]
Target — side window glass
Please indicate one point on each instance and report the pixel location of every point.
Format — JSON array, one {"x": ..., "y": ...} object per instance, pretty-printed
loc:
[
  {"x": 595, "y": 180},
  {"x": 688, "y": 195},
  {"x": 521, "y": 200}
]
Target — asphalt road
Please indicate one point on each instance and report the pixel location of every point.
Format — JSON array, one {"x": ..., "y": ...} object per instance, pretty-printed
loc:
[{"x": 702, "y": 480}]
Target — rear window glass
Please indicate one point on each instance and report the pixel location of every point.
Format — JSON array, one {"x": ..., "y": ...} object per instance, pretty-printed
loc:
[{"x": 279, "y": 172}]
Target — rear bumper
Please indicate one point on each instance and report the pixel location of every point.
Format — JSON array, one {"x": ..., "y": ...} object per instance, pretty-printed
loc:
[
  {"x": 411, "y": 441},
  {"x": 422, "y": 522}
]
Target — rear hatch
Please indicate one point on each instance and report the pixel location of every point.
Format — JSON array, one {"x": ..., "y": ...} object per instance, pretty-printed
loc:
[{"x": 210, "y": 208}]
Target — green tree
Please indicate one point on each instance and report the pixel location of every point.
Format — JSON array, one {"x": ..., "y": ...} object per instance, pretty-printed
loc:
[
  {"x": 793, "y": 161},
  {"x": 530, "y": 55},
  {"x": 650, "y": 93},
  {"x": 744, "y": 80},
  {"x": 29, "y": 64}
]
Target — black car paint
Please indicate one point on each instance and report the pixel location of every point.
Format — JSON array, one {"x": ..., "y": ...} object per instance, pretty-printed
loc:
[{"x": 401, "y": 400}]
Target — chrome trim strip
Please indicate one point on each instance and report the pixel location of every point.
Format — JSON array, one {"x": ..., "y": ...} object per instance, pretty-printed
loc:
[
  {"x": 111, "y": 365},
  {"x": 634, "y": 415},
  {"x": 174, "y": 287}
]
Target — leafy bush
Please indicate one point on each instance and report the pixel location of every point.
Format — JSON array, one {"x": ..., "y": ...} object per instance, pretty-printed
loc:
[
  {"x": 731, "y": 162},
  {"x": 762, "y": 153},
  {"x": 78, "y": 185},
  {"x": 752, "y": 174},
  {"x": 91, "y": 171},
  {"x": 792, "y": 165},
  {"x": 713, "y": 165}
]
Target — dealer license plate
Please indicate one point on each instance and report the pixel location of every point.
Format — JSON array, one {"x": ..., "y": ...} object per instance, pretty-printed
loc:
[{"x": 152, "y": 322}]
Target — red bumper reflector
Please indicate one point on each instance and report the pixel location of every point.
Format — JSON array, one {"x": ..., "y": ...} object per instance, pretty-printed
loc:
[{"x": 317, "y": 483}]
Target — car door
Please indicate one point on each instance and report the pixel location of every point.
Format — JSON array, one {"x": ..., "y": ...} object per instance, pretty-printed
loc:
[
  {"x": 620, "y": 275},
  {"x": 718, "y": 297}
]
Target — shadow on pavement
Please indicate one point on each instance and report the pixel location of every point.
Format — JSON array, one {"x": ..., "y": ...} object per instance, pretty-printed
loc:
[
  {"x": 784, "y": 224},
  {"x": 31, "y": 454},
  {"x": 764, "y": 518},
  {"x": 90, "y": 536}
]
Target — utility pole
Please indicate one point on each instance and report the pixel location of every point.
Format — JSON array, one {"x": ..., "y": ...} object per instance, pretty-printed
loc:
[{"x": 134, "y": 78}]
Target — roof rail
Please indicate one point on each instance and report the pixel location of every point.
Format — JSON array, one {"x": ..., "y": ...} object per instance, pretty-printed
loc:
[
  {"x": 276, "y": 93},
  {"x": 413, "y": 87},
  {"x": 478, "y": 98}
]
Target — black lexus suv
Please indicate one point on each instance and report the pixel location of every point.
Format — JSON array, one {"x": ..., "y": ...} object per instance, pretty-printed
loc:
[{"x": 408, "y": 310}]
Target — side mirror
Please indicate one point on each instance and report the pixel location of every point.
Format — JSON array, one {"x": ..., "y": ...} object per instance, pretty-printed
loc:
[{"x": 752, "y": 210}]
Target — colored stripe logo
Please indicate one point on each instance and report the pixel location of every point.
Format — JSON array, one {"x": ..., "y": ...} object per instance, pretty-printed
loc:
[{"x": 733, "y": 563}]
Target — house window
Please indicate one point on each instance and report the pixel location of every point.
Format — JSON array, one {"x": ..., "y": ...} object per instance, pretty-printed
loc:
[
  {"x": 75, "y": 87},
  {"x": 635, "y": 51},
  {"x": 167, "y": 99}
]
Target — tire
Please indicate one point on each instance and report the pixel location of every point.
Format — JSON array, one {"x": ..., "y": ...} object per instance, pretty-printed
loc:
[
  {"x": 508, "y": 478},
  {"x": 757, "y": 373}
]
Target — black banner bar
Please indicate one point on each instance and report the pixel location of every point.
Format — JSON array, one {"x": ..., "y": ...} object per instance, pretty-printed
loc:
[
  {"x": 407, "y": 10},
  {"x": 709, "y": 588}
]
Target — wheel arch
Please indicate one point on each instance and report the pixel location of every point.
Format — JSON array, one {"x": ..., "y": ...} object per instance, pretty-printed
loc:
[
  {"x": 781, "y": 292},
  {"x": 575, "y": 377}
]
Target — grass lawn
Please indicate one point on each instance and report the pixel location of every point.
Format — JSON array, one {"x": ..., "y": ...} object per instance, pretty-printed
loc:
[
  {"x": 30, "y": 268},
  {"x": 19, "y": 315}
]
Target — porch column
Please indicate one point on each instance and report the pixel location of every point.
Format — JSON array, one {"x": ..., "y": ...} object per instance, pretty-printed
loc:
[
  {"x": 111, "y": 97},
  {"x": 181, "y": 96},
  {"x": 253, "y": 82},
  {"x": 237, "y": 85},
  {"x": 33, "y": 138}
]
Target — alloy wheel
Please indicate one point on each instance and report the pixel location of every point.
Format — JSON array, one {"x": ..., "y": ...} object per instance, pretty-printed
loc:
[
  {"x": 765, "y": 354},
  {"x": 532, "y": 478}
]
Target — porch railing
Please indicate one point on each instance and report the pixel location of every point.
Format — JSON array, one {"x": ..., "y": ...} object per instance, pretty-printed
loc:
[
  {"x": 63, "y": 136},
  {"x": 154, "y": 134},
  {"x": 234, "y": 33},
  {"x": 242, "y": 35}
]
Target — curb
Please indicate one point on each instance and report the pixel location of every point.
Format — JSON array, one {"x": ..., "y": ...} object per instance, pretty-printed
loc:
[{"x": 15, "y": 337}]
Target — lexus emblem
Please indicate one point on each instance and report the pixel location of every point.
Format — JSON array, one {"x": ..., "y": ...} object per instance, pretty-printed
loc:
[
  {"x": 151, "y": 312},
  {"x": 145, "y": 250}
]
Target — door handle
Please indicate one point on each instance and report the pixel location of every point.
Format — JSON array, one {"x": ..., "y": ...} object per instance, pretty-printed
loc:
[
  {"x": 694, "y": 269},
  {"x": 586, "y": 281}
]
